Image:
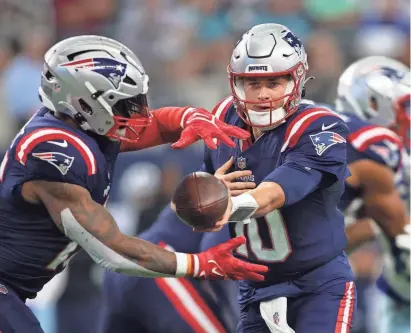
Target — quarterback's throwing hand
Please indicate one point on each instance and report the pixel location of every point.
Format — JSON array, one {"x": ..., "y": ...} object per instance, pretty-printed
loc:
[
  {"x": 201, "y": 124},
  {"x": 218, "y": 263}
]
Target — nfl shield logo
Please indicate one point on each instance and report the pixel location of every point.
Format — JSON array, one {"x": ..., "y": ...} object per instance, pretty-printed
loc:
[
  {"x": 3, "y": 289},
  {"x": 241, "y": 162},
  {"x": 276, "y": 318}
]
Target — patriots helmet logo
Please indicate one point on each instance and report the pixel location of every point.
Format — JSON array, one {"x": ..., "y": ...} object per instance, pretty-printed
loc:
[
  {"x": 294, "y": 42},
  {"x": 324, "y": 140},
  {"x": 59, "y": 160},
  {"x": 392, "y": 73},
  {"x": 111, "y": 69}
]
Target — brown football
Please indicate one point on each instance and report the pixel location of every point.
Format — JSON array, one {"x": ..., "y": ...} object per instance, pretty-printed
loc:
[{"x": 200, "y": 200}]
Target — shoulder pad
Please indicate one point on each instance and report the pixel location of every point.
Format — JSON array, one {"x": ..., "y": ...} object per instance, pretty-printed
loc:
[
  {"x": 222, "y": 107},
  {"x": 379, "y": 144},
  {"x": 52, "y": 145},
  {"x": 368, "y": 135},
  {"x": 304, "y": 119}
]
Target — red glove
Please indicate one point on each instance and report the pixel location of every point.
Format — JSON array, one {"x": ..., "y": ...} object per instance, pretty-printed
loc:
[
  {"x": 218, "y": 263},
  {"x": 201, "y": 124}
]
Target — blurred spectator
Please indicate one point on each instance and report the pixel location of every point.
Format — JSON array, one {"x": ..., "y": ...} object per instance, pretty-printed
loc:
[
  {"x": 326, "y": 64},
  {"x": 22, "y": 76},
  {"x": 337, "y": 11},
  {"x": 290, "y": 13},
  {"x": 140, "y": 185},
  {"x": 384, "y": 29},
  {"x": 74, "y": 17},
  {"x": 18, "y": 17}
]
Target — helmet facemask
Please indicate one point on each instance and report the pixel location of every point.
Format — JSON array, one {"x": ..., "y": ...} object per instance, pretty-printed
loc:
[
  {"x": 402, "y": 113},
  {"x": 268, "y": 114},
  {"x": 131, "y": 117}
]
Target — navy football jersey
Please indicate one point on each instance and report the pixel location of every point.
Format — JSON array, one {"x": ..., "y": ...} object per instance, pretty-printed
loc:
[
  {"x": 382, "y": 146},
  {"x": 301, "y": 235},
  {"x": 32, "y": 248}
]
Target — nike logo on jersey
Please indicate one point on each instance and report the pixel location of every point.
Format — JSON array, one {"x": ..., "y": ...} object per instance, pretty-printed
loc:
[
  {"x": 60, "y": 144},
  {"x": 324, "y": 128}
]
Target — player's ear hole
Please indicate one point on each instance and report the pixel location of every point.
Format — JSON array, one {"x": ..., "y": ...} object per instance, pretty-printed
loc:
[
  {"x": 373, "y": 103},
  {"x": 86, "y": 108}
]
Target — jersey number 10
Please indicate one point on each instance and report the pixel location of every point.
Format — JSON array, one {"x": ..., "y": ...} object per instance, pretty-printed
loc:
[{"x": 280, "y": 247}]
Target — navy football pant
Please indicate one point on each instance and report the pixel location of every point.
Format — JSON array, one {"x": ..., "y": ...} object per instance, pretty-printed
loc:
[
  {"x": 15, "y": 315},
  {"x": 329, "y": 310},
  {"x": 138, "y": 305}
]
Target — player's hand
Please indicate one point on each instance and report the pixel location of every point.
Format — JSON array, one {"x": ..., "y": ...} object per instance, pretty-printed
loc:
[
  {"x": 218, "y": 263},
  {"x": 235, "y": 188},
  {"x": 201, "y": 124}
]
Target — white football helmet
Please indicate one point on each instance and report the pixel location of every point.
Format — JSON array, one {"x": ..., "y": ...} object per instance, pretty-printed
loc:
[
  {"x": 98, "y": 82},
  {"x": 268, "y": 50},
  {"x": 366, "y": 88}
]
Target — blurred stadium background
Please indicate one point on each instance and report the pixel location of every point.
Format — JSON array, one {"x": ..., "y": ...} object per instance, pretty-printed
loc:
[{"x": 185, "y": 46}]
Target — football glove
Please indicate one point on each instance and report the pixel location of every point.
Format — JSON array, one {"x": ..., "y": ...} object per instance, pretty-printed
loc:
[
  {"x": 218, "y": 263},
  {"x": 200, "y": 124}
]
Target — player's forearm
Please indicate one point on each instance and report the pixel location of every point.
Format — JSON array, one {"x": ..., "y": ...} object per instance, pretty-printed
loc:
[
  {"x": 388, "y": 211},
  {"x": 148, "y": 255},
  {"x": 165, "y": 127},
  {"x": 93, "y": 228},
  {"x": 269, "y": 196},
  {"x": 358, "y": 233},
  {"x": 96, "y": 231}
]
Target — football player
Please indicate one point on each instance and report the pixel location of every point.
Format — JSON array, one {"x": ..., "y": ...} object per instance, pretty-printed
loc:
[
  {"x": 56, "y": 177},
  {"x": 297, "y": 157},
  {"x": 372, "y": 95}
]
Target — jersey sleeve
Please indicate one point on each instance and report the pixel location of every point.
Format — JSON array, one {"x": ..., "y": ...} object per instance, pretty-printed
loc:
[
  {"x": 375, "y": 143},
  {"x": 61, "y": 158},
  {"x": 317, "y": 141},
  {"x": 219, "y": 111}
]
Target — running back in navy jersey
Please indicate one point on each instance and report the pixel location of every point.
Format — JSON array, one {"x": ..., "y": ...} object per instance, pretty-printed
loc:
[
  {"x": 301, "y": 235},
  {"x": 32, "y": 248}
]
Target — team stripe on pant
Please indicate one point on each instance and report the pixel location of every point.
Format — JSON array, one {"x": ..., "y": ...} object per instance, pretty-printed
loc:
[
  {"x": 346, "y": 309},
  {"x": 190, "y": 305}
]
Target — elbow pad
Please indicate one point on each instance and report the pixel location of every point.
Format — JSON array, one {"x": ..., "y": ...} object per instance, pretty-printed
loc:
[{"x": 100, "y": 253}]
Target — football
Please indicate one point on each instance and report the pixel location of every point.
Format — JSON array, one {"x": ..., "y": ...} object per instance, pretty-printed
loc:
[{"x": 200, "y": 200}]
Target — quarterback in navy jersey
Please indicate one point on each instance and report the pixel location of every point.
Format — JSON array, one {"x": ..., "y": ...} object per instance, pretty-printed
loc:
[
  {"x": 297, "y": 159},
  {"x": 372, "y": 97},
  {"x": 56, "y": 177}
]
